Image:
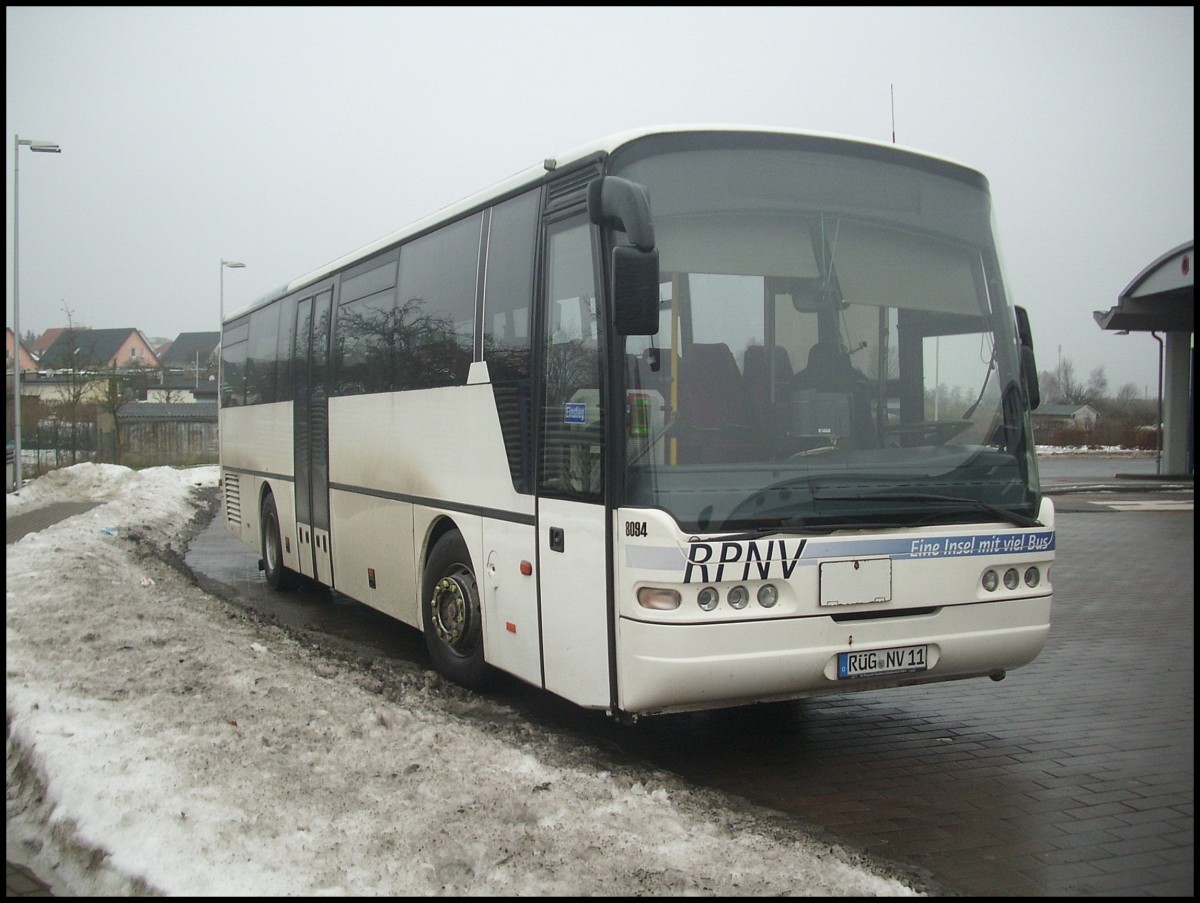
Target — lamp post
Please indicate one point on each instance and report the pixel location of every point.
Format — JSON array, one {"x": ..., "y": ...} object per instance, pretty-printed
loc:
[
  {"x": 232, "y": 264},
  {"x": 39, "y": 147}
]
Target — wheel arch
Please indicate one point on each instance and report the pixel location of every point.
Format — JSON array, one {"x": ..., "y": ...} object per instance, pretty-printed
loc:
[
  {"x": 265, "y": 488},
  {"x": 285, "y": 510},
  {"x": 453, "y": 599}
]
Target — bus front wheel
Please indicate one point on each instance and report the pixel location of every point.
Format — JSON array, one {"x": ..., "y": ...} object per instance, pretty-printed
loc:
[
  {"x": 453, "y": 625},
  {"x": 279, "y": 577}
]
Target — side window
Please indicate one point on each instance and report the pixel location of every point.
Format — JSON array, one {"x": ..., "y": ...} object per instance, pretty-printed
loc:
[
  {"x": 260, "y": 355},
  {"x": 366, "y": 341},
  {"x": 233, "y": 364},
  {"x": 507, "y": 319},
  {"x": 572, "y": 410},
  {"x": 283, "y": 348},
  {"x": 435, "y": 310}
]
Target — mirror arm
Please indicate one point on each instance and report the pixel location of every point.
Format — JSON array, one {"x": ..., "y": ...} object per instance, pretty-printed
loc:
[{"x": 611, "y": 198}]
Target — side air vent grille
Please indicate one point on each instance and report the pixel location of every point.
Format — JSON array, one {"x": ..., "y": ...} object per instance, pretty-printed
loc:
[
  {"x": 233, "y": 499},
  {"x": 570, "y": 190}
]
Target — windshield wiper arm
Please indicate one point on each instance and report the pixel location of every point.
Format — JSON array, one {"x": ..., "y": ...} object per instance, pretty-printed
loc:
[
  {"x": 785, "y": 526},
  {"x": 1012, "y": 517}
]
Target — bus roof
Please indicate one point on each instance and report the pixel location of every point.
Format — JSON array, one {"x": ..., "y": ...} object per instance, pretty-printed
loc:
[{"x": 537, "y": 172}]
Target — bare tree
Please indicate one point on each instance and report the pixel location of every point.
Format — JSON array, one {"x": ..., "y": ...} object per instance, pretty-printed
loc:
[
  {"x": 168, "y": 394},
  {"x": 1097, "y": 387},
  {"x": 77, "y": 378},
  {"x": 1127, "y": 409},
  {"x": 1060, "y": 386},
  {"x": 117, "y": 391},
  {"x": 1069, "y": 388}
]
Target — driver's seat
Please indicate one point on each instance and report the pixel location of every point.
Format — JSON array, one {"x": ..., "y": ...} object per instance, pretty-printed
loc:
[
  {"x": 716, "y": 423},
  {"x": 831, "y": 382}
]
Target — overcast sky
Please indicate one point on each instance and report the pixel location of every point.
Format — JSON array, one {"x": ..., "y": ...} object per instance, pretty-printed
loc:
[
  {"x": 158, "y": 743},
  {"x": 286, "y": 137}
]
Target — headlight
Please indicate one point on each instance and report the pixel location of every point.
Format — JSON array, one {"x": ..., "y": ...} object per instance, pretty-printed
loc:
[
  {"x": 1032, "y": 577},
  {"x": 768, "y": 595},
  {"x": 658, "y": 599},
  {"x": 991, "y": 580},
  {"x": 707, "y": 598},
  {"x": 739, "y": 597},
  {"x": 1011, "y": 578}
]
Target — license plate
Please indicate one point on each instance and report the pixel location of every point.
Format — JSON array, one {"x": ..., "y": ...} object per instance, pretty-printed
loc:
[
  {"x": 857, "y": 582},
  {"x": 873, "y": 662}
]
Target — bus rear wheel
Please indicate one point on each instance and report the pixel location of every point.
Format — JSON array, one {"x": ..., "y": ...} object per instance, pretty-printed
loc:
[
  {"x": 279, "y": 577},
  {"x": 453, "y": 624}
]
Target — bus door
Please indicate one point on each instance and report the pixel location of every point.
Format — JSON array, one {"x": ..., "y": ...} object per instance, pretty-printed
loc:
[
  {"x": 571, "y": 520},
  {"x": 311, "y": 421}
]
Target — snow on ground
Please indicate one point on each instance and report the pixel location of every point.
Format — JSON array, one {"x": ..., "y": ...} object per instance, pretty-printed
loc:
[{"x": 161, "y": 742}]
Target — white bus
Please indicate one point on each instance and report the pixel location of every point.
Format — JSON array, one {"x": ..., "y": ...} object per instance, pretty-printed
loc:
[{"x": 686, "y": 418}]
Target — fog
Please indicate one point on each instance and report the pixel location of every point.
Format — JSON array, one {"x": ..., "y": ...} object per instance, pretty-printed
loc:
[{"x": 286, "y": 137}]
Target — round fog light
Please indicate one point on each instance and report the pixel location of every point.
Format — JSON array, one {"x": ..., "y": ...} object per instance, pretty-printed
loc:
[
  {"x": 707, "y": 598},
  {"x": 768, "y": 595},
  {"x": 1011, "y": 578},
  {"x": 1032, "y": 577},
  {"x": 991, "y": 580},
  {"x": 739, "y": 597}
]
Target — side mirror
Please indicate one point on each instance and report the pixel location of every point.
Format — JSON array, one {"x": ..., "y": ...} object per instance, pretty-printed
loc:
[
  {"x": 1029, "y": 372},
  {"x": 635, "y": 290},
  {"x": 612, "y": 201}
]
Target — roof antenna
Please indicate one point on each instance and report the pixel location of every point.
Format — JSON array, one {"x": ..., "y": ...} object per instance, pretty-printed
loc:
[{"x": 893, "y": 87}]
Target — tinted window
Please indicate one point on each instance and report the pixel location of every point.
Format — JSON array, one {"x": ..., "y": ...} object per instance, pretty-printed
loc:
[
  {"x": 435, "y": 312},
  {"x": 573, "y": 414},
  {"x": 508, "y": 294},
  {"x": 233, "y": 365},
  {"x": 283, "y": 349},
  {"x": 509, "y": 286},
  {"x": 260, "y": 355},
  {"x": 367, "y": 341},
  {"x": 367, "y": 344},
  {"x": 377, "y": 277}
]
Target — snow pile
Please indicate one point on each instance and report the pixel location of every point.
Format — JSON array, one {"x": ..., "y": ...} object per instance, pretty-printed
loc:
[{"x": 161, "y": 742}]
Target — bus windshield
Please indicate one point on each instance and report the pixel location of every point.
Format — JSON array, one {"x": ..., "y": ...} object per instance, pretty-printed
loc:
[{"x": 835, "y": 350}]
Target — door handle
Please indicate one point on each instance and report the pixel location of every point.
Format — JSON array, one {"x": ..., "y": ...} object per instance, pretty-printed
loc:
[{"x": 557, "y": 539}]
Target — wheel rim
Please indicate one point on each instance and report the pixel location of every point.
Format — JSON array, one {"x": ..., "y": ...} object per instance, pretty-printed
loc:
[
  {"x": 453, "y": 611},
  {"x": 271, "y": 544}
]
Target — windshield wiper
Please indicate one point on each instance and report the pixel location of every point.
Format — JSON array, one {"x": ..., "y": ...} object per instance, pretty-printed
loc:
[
  {"x": 1013, "y": 517},
  {"x": 786, "y": 526}
]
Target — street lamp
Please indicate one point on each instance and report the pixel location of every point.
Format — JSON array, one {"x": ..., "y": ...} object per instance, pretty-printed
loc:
[
  {"x": 232, "y": 264},
  {"x": 39, "y": 147}
]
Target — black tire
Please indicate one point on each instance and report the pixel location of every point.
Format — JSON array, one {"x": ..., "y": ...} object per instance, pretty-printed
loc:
[
  {"x": 453, "y": 624},
  {"x": 279, "y": 577}
]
